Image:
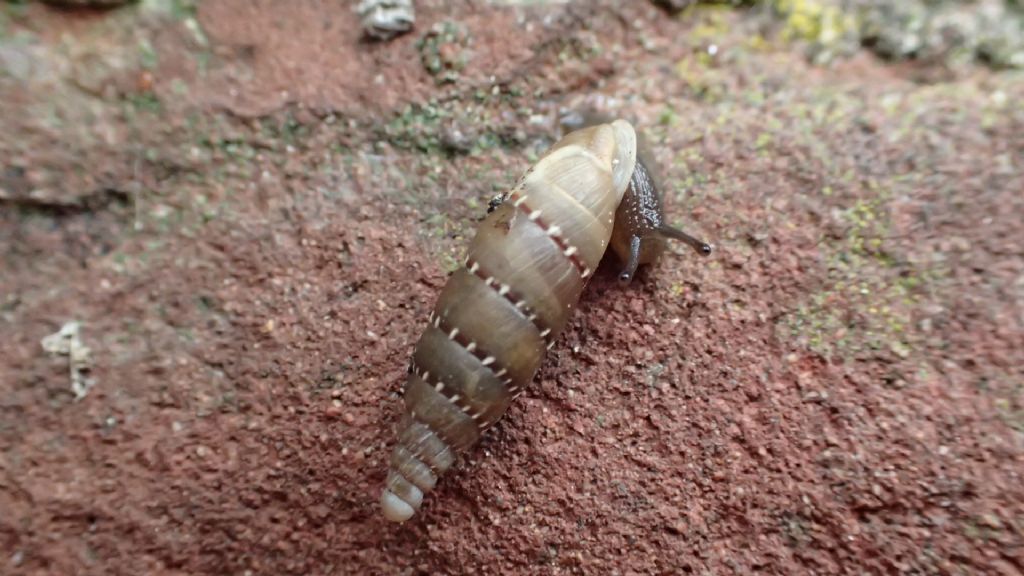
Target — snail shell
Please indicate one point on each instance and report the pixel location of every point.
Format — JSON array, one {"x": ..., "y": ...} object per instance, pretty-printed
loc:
[{"x": 498, "y": 315}]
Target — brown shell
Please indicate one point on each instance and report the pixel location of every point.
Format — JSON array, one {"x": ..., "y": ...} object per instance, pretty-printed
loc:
[{"x": 498, "y": 315}]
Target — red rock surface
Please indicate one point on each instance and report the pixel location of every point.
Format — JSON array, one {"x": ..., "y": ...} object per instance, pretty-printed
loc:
[{"x": 837, "y": 390}]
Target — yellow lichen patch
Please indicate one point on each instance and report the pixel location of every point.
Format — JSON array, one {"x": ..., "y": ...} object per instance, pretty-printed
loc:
[
  {"x": 825, "y": 25},
  {"x": 867, "y": 304}
]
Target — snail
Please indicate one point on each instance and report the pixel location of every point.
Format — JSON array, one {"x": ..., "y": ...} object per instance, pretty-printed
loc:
[{"x": 526, "y": 268}]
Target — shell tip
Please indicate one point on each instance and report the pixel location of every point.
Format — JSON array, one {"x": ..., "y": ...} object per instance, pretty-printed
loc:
[{"x": 394, "y": 508}]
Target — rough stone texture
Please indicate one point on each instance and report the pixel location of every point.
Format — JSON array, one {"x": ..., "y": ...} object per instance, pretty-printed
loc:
[{"x": 252, "y": 227}]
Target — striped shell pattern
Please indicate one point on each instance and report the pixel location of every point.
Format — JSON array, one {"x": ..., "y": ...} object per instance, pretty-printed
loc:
[{"x": 498, "y": 315}]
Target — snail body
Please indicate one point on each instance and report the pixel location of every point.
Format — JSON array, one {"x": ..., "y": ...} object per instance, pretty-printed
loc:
[
  {"x": 496, "y": 317},
  {"x": 641, "y": 232}
]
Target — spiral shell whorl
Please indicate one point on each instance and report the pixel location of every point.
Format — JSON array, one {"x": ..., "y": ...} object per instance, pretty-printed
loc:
[{"x": 417, "y": 461}]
